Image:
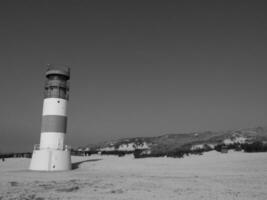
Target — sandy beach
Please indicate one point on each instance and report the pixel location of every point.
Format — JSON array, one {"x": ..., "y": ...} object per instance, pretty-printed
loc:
[{"x": 235, "y": 175}]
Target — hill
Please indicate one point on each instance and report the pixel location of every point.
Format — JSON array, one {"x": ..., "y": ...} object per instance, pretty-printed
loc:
[{"x": 169, "y": 144}]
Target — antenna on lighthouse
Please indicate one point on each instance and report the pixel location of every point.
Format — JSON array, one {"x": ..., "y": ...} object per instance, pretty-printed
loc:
[{"x": 52, "y": 154}]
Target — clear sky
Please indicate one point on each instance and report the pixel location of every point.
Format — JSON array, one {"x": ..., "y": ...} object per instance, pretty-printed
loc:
[{"x": 139, "y": 68}]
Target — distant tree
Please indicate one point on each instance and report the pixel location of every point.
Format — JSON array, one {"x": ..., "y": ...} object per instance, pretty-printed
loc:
[{"x": 255, "y": 147}]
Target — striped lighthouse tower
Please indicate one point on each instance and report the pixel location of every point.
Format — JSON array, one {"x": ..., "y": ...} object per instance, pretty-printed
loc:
[{"x": 51, "y": 154}]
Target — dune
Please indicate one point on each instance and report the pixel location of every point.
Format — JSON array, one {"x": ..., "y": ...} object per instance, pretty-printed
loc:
[{"x": 235, "y": 175}]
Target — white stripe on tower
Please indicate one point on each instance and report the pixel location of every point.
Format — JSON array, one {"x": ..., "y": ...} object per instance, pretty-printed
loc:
[
  {"x": 55, "y": 106},
  {"x": 52, "y": 140}
]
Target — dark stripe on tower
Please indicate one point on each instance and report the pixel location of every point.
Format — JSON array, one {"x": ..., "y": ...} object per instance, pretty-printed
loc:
[{"x": 54, "y": 123}]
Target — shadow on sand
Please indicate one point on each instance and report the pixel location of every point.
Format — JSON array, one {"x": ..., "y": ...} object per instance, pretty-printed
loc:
[{"x": 77, "y": 164}]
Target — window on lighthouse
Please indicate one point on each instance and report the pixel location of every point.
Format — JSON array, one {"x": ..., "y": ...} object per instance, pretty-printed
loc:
[{"x": 55, "y": 92}]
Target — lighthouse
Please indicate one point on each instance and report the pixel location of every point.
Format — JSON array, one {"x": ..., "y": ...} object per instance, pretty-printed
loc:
[{"x": 52, "y": 154}]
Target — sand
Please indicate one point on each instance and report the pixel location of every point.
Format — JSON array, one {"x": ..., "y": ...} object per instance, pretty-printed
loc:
[{"x": 235, "y": 175}]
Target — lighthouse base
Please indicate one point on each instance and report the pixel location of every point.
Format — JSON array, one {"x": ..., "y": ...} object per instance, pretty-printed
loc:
[{"x": 50, "y": 160}]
